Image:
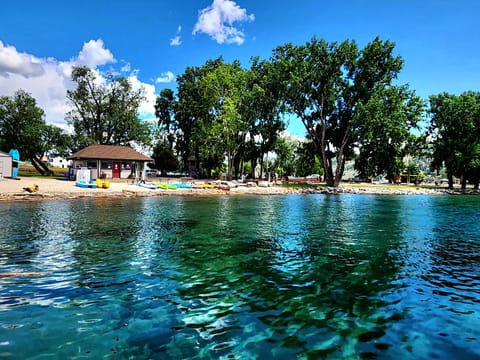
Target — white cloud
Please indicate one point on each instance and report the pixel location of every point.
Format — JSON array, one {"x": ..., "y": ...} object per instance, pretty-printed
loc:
[
  {"x": 94, "y": 54},
  {"x": 126, "y": 67},
  {"x": 147, "y": 107},
  {"x": 176, "y": 41},
  {"x": 165, "y": 77},
  {"x": 14, "y": 63},
  {"x": 48, "y": 79},
  {"x": 217, "y": 21}
]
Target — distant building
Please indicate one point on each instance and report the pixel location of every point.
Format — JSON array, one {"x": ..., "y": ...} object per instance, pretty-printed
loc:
[
  {"x": 58, "y": 161},
  {"x": 111, "y": 161}
]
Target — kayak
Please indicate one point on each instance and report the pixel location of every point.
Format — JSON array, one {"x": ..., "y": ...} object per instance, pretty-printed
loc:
[
  {"x": 165, "y": 186},
  {"x": 84, "y": 184},
  {"x": 182, "y": 186},
  {"x": 147, "y": 185},
  {"x": 104, "y": 184}
]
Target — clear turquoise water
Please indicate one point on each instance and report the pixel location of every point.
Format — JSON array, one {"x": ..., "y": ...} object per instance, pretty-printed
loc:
[{"x": 284, "y": 277}]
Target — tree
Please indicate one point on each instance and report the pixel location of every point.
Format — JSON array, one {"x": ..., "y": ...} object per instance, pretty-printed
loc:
[
  {"x": 224, "y": 89},
  {"x": 285, "y": 148},
  {"x": 165, "y": 113},
  {"x": 306, "y": 160},
  {"x": 22, "y": 127},
  {"x": 193, "y": 120},
  {"x": 326, "y": 83},
  {"x": 384, "y": 134},
  {"x": 105, "y": 113},
  {"x": 165, "y": 159},
  {"x": 454, "y": 133},
  {"x": 263, "y": 108}
]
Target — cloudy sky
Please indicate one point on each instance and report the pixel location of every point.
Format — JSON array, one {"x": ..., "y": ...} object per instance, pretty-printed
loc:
[{"x": 152, "y": 42}]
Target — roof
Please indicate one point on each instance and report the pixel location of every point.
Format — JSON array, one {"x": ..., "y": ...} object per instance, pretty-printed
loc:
[
  {"x": 109, "y": 152},
  {"x": 3, "y": 154}
]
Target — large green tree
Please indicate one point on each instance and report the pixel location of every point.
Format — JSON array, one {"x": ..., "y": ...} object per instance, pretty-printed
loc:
[
  {"x": 454, "y": 134},
  {"x": 224, "y": 90},
  {"x": 263, "y": 110},
  {"x": 23, "y": 127},
  {"x": 193, "y": 120},
  {"x": 384, "y": 135},
  {"x": 325, "y": 84},
  {"x": 105, "y": 113}
]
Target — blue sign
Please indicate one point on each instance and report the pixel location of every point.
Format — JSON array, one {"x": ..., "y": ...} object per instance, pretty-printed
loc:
[{"x": 15, "y": 162}]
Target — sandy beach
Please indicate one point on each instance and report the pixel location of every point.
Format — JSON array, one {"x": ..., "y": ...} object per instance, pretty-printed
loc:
[{"x": 13, "y": 190}]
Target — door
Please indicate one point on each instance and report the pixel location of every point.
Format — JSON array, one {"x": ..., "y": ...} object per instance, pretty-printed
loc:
[{"x": 116, "y": 170}]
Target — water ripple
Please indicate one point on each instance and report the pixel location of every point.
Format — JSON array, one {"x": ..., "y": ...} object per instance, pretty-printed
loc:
[{"x": 241, "y": 277}]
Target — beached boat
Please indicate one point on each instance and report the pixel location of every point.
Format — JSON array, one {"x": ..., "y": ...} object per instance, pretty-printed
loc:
[
  {"x": 183, "y": 186},
  {"x": 204, "y": 186},
  {"x": 147, "y": 185},
  {"x": 84, "y": 184},
  {"x": 104, "y": 184},
  {"x": 165, "y": 186}
]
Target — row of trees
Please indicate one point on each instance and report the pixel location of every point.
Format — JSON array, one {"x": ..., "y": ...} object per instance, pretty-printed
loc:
[
  {"x": 221, "y": 111},
  {"x": 346, "y": 97}
]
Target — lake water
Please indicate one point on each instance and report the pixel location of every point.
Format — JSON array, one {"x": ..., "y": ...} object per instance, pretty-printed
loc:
[{"x": 248, "y": 277}]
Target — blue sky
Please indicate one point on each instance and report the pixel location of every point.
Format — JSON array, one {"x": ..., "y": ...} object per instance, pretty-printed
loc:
[{"x": 153, "y": 41}]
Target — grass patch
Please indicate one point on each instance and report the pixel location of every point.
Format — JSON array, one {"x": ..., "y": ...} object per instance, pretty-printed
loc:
[{"x": 28, "y": 171}]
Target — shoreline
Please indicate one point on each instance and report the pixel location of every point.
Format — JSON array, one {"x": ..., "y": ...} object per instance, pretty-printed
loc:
[{"x": 55, "y": 189}]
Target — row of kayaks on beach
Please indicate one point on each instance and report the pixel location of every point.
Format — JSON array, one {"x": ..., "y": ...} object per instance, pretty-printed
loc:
[
  {"x": 105, "y": 184},
  {"x": 175, "y": 186},
  {"x": 93, "y": 184}
]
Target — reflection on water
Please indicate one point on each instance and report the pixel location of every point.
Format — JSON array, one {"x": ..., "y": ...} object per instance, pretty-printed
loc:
[{"x": 316, "y": 276}]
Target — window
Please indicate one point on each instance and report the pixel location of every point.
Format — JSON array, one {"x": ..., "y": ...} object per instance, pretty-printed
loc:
[{"x": 106, "y": 164}]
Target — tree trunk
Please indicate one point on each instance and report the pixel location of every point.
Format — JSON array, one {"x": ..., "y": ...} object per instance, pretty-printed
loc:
[
  {"x": 464, "y": 182},
  {"x": 40, "y": 166},
  {"x": 327, "y": 167},
  {"x": 261, "y": 166},
  {"x": 450, "y": 181},
  {"x": 253, "y": 164},
  {"x": 229, "y": 167},
  {"x": 339, "y": 171}
]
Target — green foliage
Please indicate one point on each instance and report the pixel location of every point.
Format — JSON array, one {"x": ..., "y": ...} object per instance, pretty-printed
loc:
[
  {"x": 325, "y": 85},
  {"x": 222, "y": 110},
  {"x": 223, "y": 90},
  {"x": 165, "y": 159},
  {"x": 307, "y": 161},
  {"x": 454, "y": 133},
  {"x": 284, "y": 163},
  {"x": 105, "y": 114},
  {"x": 22, "y": 127},
  {"x": 165, "y": 112},
  {"x": 384, "y": 126}
]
